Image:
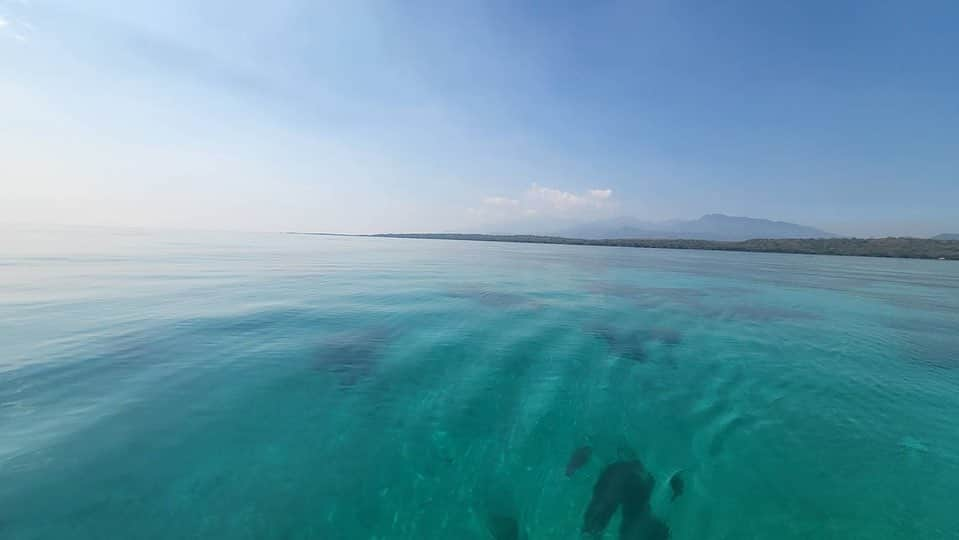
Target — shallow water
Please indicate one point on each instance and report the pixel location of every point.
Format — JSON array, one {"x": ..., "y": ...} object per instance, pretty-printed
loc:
[{"x": 205, "y": 385}]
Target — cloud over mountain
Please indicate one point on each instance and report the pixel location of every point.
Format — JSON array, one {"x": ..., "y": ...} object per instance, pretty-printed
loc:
[{"x": 544, "y": 203}]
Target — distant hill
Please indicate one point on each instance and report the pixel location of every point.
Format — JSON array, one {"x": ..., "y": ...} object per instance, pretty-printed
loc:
[
  {"x": 947, "y": 236},
  {"x": 709, "y": 227}
]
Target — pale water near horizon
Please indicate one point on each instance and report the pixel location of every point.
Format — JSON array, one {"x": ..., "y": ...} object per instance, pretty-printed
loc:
[{"x": 212, "y": 385}]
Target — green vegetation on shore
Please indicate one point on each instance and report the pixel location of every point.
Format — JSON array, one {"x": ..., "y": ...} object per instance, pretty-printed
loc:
[{"x": 909, "y": 248}]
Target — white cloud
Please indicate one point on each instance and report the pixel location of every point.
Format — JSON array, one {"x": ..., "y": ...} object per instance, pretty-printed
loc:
[
  {"x": 560, "y": 200},
  {"x": 501, "y": 202},
  {"x": 564, "y": 200},
  {"x": 3, "y": 22},
  {"x": 545, "y": 203}
]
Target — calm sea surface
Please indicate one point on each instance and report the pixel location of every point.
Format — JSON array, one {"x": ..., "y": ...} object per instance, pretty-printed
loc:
[{"x": 207, "y": 385}]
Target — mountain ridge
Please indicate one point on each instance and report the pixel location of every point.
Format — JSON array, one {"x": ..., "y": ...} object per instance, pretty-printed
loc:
[{"x": 720, "y": 227}]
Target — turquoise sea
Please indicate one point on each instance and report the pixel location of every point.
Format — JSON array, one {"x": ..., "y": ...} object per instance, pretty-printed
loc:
[{"x": 271, "y": 386}]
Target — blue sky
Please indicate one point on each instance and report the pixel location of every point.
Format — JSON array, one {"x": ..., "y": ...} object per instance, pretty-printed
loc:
[{"x": 420, "y": 116}]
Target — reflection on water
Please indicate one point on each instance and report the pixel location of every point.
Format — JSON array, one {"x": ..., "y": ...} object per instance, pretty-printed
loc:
[{"x": 270, "y": 386}]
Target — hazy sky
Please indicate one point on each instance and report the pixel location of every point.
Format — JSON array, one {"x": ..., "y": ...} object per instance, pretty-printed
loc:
[{"x": 422, "y": 116}]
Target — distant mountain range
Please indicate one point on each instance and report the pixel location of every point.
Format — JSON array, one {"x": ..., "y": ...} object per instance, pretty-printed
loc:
[
  {"x": 947, "y": 236},
  {"x": 709, "y": 227}
]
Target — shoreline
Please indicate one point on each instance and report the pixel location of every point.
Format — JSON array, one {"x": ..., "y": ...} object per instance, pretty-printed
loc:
[{"x": 890, "y": 247}]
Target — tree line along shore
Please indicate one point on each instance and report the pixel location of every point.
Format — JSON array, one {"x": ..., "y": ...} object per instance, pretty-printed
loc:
[{"x": 900, "y": 247}]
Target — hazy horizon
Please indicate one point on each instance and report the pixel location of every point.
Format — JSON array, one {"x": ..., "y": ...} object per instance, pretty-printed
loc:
[{"x": 368, "y": 117}]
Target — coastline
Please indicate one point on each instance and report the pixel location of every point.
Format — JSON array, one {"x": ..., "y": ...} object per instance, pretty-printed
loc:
[{"x": 891, "y": 247}]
